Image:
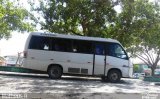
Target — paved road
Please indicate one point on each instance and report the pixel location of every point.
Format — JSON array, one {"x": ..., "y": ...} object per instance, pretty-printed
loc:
[{"x": 83, "y": 87}]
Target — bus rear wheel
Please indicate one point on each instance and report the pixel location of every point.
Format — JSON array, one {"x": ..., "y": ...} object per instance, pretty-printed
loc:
[{"x": 55, "y": 72}]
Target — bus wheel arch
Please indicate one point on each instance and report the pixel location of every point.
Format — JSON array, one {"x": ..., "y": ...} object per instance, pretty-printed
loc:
[
  {"x": 114, "y": 75},
  {"x": 55, "y": 71}
]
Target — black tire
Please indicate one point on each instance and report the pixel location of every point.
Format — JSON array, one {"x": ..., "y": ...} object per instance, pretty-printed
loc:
[
  {"x": 55, "y": 72},
  {"x": 114, "y": 76}
]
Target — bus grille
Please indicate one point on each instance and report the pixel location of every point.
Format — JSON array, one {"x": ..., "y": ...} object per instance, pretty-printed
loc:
[
  {"x": 84, "y": 71},
  {"x": 74, "y": 70}
]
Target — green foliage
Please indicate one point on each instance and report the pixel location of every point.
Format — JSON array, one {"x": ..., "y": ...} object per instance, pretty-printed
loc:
[
  {"x": 135, "y": 22},
  {"x": 146, "y": 26},
  {"x": 80, "y": 17},
  {"x": 99, "y": 18},
  {"x": 135, "y": 68},
  {"x": 13, "y": 18}
]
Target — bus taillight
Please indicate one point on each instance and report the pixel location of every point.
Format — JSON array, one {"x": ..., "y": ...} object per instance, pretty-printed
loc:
[{"x": 25, "y": 54}]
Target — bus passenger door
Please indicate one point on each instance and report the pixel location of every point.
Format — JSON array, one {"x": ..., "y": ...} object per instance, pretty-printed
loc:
[{"x": 99, "y": 59}]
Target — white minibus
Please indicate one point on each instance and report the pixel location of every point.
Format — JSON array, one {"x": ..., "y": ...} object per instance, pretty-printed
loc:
[{"x": 58, "y": 54}]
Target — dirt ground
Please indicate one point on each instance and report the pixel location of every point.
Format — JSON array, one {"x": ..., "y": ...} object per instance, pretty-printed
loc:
[{"x": 38, "y": 86}]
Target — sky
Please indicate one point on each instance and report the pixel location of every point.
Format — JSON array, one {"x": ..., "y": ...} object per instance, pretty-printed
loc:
[
  {"x": 17, "y": 41},
  {"x": 13, "y": 45}
]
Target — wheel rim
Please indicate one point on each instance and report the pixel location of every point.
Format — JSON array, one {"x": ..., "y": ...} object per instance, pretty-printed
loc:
[
  {"x": 54, "y": 72},
  {"x": 114, "y": 76}
]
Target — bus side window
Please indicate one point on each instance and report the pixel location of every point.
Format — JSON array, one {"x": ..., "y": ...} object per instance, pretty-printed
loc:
[
  {"x": 99, "y": 49},
  {"x": 80, "y": 46},
  {"x": 46, "y": 47},
  {"x": 56, "y": 47},
  {"x": 39, "y": 43},
  {"x": 44, "y": 43},
  {"x": 74, "y": 48},
  {"x": 116, "y": 50},
  {"x": 62, "y": 45}
]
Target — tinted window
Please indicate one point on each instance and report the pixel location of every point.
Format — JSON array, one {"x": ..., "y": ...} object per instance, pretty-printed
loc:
[
  {"x": 99, "y": 49},
  {"x": 40, "y": 43},
  {"x": 116, "y": 50},
  {"x": 63, "y": 45},
  {"x": 82, "y": 47}
]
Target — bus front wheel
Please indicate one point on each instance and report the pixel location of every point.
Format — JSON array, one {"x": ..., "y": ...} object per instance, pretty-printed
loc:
[
  {"x": 114, "y": 76},
  {"x": 55, "y": 72}
]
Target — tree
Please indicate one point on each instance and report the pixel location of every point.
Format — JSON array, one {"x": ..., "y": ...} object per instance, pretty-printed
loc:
[
  {"x": 95, "y": 18},
  {"x": 122, "y": 27},
  {"x": 79, "y": 17},
  {"x": 13, "y": 17},
  {"x": 135, "y": 68},
  {"x": 148, "y": 50}
]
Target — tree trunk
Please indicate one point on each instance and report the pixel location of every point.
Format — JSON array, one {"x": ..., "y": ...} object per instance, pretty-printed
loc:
[{"x": 153, "y": 70}]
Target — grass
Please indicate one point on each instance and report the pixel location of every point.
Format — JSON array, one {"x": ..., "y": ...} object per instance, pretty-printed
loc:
[
  {"x": 18, "y": 69},
  {"x": 152, "y": 78}
]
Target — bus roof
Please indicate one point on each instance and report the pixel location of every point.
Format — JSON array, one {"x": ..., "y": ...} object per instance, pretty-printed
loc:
[{"x": 49, "y": 34}]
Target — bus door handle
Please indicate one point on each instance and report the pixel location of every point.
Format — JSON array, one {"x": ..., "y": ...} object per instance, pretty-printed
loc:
[
  {"x": 88, "y": 62},
  {"x": 51, "y": 59},
  {"x": 68, "y": 60},
  {"x": 125, "y": 66},
  {"x": 107, "y": 63},
  {"x": 32, "y": 57}
]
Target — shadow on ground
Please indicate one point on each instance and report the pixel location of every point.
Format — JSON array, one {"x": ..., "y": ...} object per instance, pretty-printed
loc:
[{"x": 70, "y": 85}]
